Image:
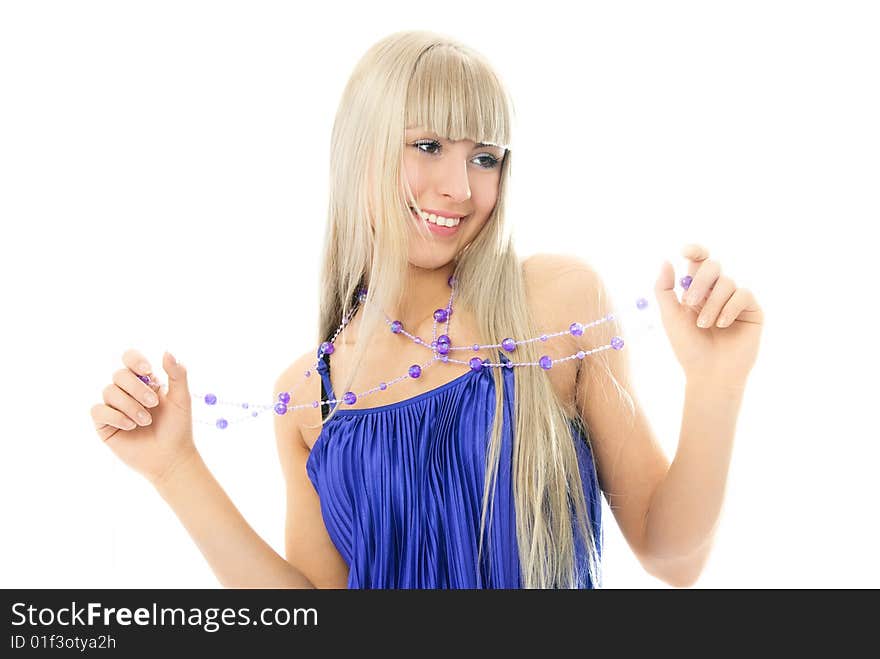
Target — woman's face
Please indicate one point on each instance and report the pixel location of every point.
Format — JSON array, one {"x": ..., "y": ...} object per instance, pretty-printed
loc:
[{"x": 452, "y": 178}]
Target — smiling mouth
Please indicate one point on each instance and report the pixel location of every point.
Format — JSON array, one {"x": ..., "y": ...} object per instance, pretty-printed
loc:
[{"x": 437, "y": 222}]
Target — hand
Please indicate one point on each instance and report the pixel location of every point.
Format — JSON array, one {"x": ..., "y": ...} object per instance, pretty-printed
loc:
[
  {"x": 152, "y": 446},
  {"x": 725, "y": 350}
]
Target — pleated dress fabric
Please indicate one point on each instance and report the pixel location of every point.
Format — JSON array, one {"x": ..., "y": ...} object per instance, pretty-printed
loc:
[{"x": 401, "y": 487}]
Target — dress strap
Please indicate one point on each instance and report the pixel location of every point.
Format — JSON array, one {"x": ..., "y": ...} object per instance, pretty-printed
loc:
[{"x": 326, "y": 386}]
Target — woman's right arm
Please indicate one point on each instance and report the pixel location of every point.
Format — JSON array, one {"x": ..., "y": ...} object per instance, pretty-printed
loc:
[
  {"x": 151, "y": 431},
  {"x": 238, "y": 556}
]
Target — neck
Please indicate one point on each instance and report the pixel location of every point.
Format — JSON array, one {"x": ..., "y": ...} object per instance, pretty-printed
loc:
[{"x": 424, "y": 292}]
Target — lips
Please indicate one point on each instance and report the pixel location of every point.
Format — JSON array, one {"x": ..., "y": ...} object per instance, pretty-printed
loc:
[{"x": 438, "y": 230}]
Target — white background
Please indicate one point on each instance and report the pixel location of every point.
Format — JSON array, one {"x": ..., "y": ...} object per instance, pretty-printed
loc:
[{"x": 163, "y": 186}]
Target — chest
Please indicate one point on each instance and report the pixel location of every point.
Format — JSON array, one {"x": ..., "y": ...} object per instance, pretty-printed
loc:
[{"x": 390, "y": 357}]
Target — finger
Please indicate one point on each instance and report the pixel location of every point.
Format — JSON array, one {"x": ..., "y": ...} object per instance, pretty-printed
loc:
[
  {"x": 702, "y": 283},
  {"x": 104, "y": 416},
  {"x": 178, "y": 386},
  {"x": 695, "y": 252},
  {"x": 139, "y": 364},
  {"x": 664, "y": 289},
  {"x": 721, "y": 293},
  {"x": 135, "y": 387},
  {"x": 740, "y": 306},
  {"x": 119, "y": 400}
]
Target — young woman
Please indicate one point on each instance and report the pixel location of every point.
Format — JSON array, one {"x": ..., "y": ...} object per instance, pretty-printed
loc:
[{"x": 421, "y": 467}]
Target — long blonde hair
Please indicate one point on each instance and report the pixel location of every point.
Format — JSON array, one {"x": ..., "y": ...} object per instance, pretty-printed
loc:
[{"x": 419, "y": 78}]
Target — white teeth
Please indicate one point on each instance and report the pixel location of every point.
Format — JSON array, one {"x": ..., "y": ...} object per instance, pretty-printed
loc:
[{"x": 441, "y": 221}]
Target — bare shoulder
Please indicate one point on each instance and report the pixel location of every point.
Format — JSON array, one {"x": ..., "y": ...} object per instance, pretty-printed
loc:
[
  {"x": 561, "y": 289},
  {"x": 308, "y": 546},
  {"x": 288, "y": 427},
  {"x": 554, "y": 280}
]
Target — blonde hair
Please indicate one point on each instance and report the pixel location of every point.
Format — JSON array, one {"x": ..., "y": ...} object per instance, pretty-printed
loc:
[{"x": 419, "y": 78}]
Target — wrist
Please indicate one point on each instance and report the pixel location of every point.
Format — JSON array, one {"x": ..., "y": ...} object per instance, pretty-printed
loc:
[
  {"x": 179, "y": 470},
  {"x": 708, "y": 382}
]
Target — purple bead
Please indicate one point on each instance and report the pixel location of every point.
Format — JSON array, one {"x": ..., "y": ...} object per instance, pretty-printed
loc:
[
  {"x": 433, "y": 344},
  {"x": 476, "y": 364},
  {"x": 383, "y": 386},
  {"x": 222, "y": 423},
  {"x": 444, "y": 358},
  {"x": 576, "y": 329},
  {"x": 327, "y": 348},
  {"x": 616, "y": 343},
  {"x": 210, "y": 399},
  {"x": 396, "y": 326},
  {"x": 452, "y": 281},
  {"x": 144, "y": 378},
  {"x": 581, "y": 354},
  {"x": 349, "y": 398},
  {"x": 545, "y": 362},
  {"x": 686, "y": 282},
  {"x": 244, "y": 406},
  {"x": 280, "y": 408},
  {"x": 415, "y": 371},
  {"x": 254, "y": 413},
  {"x": 284, "y": 397},
  {"x": 543, "y": 337},
  {"x": 443, "y": 348},
  {"x": 476, "y": 347},
  {"x": 315, "y": 403},
  {"x": 308, "y": 373},
  {"x": 509, "y": 345},
  {"x": 444, "y": 338},
  {"x": 440, "y": 315},
  {"x": 641, "y": 303},
  {"x": 509, "y": 364}
]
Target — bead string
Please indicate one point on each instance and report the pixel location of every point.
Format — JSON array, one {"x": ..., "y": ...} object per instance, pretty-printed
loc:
[{"x": 440, "y": 347}]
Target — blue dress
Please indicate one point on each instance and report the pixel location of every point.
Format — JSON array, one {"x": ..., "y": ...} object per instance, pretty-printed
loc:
[{"x": 401, "y": 487}]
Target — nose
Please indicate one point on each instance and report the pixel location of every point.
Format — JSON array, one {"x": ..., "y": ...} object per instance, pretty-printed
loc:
[{"x": 454, "y": 181}]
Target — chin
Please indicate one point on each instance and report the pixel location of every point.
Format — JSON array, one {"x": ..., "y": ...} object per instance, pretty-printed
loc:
[{"x": 432, "y": 262}]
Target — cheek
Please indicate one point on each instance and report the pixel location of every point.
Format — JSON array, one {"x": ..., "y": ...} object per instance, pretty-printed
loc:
[
  {"x": 485, "y": 206},
  {"x": 484, "y": 191},
  {"x": 412, "y": 174}
]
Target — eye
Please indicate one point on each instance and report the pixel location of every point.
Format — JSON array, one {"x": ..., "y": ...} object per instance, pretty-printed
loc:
[
  {"x": 489, "y": 161},
  {"x": 431, "y": 143}
]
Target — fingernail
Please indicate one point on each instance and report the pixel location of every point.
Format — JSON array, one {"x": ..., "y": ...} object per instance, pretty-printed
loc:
[{"x": 144, "y": 367}]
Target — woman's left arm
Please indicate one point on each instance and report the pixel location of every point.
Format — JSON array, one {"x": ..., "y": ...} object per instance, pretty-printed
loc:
[
  {"x": 667, "y": 512},
  {"x": 715, "y": 333}
]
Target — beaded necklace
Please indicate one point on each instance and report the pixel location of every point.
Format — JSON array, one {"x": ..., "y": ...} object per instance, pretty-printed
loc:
[{"x": 440, "y": 347}]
